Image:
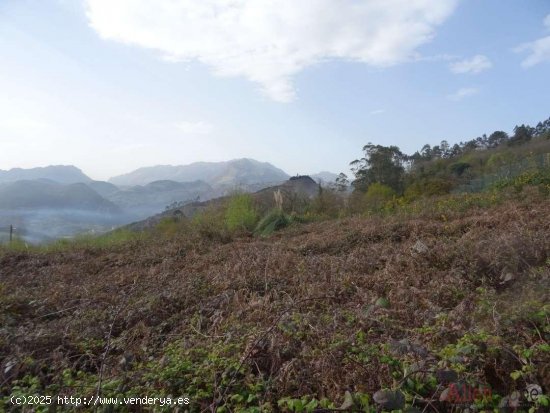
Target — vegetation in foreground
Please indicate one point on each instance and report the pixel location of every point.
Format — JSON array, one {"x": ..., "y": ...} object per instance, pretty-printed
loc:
[
  {"x": 359, "y": 313},
  {"x": 391, "y": 299}
]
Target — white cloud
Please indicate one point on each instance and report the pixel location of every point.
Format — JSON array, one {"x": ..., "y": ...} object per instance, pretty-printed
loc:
[
  {"x": 476, "y": 64},
  {"x": 377, "y": 112},
  {"x": 463, "y": 93},
  {"x": 269, "y": 41},
  {"x": 195, "y": 128},
  {"x": 436, "y": 58},
  {"x": 539, "y": 50}
]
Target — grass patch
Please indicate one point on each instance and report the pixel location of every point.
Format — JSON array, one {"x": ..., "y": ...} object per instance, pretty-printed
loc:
[
  {"x": 274, "y": 220},
  {"x": 112, "y": 239}
]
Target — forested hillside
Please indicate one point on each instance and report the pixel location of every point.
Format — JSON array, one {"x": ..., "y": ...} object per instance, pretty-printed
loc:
[{"x": 471, "y": 166}]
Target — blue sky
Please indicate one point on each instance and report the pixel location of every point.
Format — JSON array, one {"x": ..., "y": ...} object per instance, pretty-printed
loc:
[{"x": 110, "y": 86}]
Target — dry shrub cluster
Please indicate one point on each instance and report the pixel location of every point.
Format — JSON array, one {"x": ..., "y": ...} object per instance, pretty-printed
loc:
[{"x": 319, "y": 311}]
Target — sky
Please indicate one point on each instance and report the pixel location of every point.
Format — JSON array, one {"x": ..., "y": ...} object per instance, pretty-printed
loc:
[{"x": 114, "y": 85}]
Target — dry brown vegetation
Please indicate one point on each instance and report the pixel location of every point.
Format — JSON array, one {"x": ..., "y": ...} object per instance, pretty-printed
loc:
[{"x": 327, "y": 312}]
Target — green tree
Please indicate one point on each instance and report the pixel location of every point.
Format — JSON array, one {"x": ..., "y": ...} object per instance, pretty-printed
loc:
[
  {"x": 522, "y": 134},
  {"x": 341, "y": 182},
  {"x": 445, "y": 149},
  {"x": 381, "y": 164},
  {"x": 497, "y": 138},
  {"x": 543, "y": 129}
]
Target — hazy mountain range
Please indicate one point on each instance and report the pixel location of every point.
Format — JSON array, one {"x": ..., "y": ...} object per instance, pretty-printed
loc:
[
  {"x": 218, "y": 174},
  {"x": 56, "y": 201},
  {"x": 146, "y": 200}
]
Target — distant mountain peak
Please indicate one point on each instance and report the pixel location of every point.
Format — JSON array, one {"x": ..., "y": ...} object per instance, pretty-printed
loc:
[
  {"x": 235, "y": 172},
  {"x": 325, "y": 177},
  {"x": 63, "y": 174}
]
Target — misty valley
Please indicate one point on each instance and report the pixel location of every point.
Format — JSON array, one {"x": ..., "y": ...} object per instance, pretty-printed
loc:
[
  {"x": 42, "y": 225},
  {"x": 61, "y": 202}
]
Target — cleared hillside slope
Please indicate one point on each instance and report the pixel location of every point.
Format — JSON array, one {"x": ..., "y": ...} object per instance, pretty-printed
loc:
[{"x": 322, "y": 314}]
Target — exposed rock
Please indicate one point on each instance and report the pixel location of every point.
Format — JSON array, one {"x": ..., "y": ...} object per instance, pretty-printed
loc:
[{"x": 389, "y": 399}]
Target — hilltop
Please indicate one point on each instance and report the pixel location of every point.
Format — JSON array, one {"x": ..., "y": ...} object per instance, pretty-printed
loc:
[{"x": 64, "y": 174}]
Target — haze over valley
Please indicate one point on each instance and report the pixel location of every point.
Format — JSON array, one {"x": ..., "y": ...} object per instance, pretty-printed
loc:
[{"x": 48, "y": 203}]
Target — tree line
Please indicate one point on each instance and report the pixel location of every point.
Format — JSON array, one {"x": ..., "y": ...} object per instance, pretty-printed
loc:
[{"x": 440, "y": 168}]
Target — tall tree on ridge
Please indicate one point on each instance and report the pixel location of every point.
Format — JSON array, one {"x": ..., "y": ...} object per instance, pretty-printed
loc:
[{"x": 382, "y": 164}]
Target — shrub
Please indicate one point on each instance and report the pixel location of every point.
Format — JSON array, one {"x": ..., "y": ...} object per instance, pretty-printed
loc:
[
  {"x": 538, "y": 178},
  {"x": 171, "y": 226},
  {"x": 241, "y": 214},
  {"x": 459, "y": 168},
  {"x": 328, "y": 203},
  {"x": 210, "y": 224},
  {"x": 428, "y": 187},
  {"x": 378, "y": 196},
  {"x": 273, "y": 221}
]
